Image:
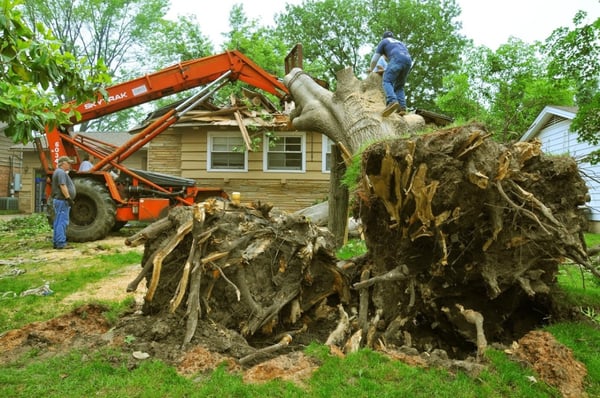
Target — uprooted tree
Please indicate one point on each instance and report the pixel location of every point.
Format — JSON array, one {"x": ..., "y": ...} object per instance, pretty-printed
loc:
[{"x": 464, "y": 237}]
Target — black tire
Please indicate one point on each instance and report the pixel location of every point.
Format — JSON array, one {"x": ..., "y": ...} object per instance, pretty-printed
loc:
[{"x": 93, "y": 215}]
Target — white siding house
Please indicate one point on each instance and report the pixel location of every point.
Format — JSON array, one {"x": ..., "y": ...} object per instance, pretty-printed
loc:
[{"x": 551, "y": 127}]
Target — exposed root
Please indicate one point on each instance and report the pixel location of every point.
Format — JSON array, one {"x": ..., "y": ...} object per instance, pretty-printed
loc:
[
  {"x": 339, "y": 334},
  {"x": 284, "y": 342}
]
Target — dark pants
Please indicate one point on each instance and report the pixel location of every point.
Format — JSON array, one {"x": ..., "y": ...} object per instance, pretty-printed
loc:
[{"x": 394, "y": 79}]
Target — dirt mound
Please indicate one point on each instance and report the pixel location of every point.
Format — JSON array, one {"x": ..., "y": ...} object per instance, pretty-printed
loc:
[{"x": 553, "y": 362}]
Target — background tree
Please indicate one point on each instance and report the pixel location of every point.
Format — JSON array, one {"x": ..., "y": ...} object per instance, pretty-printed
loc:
[
  {"x": 257, "y": 42},
  {"x": 506, "y": 88},
  {"x": 334, "y": 34},
  {"x": 35, "y": 72},
  {"x": 520, "y": 87},
  {"x": 177, "y": 41},
  {"x": 575, "y": 57},
  {"x": 337, "y": 34},
  {"x": 114, "y": 31},
  {"x": 431, "y": 30}
]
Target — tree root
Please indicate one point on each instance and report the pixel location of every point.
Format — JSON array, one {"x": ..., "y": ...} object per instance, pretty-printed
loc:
[
  {"x": 476, "y": 319},
  {"x": 398, "y": 273},
  {"x": 284, "y": 342},
  {"x": 343, "y": 326}
]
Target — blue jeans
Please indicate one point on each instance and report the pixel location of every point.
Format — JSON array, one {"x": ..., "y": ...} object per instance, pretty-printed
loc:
[
  {"x": 61, "y": 222},
  {"x": 394, "y": 79}
]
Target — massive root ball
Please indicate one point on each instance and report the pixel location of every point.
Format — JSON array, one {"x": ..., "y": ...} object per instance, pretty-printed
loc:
[
  {"x": 240, "y": 267},
  {"x": 471, "y": 232}
]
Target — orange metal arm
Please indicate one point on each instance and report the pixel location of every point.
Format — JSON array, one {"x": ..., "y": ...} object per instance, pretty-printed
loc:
[{"x": 180, "y": 77}]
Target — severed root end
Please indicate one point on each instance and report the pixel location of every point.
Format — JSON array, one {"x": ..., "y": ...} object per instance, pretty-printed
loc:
[
  {"x": 337, "y": 336},
  {"x": 476, "y": 319}
]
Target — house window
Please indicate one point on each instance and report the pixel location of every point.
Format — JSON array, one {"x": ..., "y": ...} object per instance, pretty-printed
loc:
[
  {"x": 284, "y": 152},
  {"x": 227, "y": 153},
  {"x": 326, "y": 151}
]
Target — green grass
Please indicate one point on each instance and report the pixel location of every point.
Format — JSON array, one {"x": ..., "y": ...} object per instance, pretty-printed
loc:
[
  {"x": 25, "y": 235},
  {"x": 362, "y": 374},
  {"x": 110, "y": 372},
  {"x": 580, "y": 285},
  {"x": 18, "y": 311},
  {"x": 584, "y": 340},
  {"x": 592, "y": 240}
]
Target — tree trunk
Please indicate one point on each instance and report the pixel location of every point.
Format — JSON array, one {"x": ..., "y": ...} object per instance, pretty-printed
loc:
[{"x": 338, "y": 199}]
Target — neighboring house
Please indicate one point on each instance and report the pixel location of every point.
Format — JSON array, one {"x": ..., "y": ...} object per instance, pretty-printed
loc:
[
  {"x": 551, "y": 127},
  {"x": 31, "y": 196},
  {"x": 10, "y": 176}
]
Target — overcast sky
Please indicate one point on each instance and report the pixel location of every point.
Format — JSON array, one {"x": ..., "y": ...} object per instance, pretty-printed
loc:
[{"x": 487, "y": 22}]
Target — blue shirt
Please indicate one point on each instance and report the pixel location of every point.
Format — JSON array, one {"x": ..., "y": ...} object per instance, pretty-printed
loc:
[{"x": 391, "y": 48}]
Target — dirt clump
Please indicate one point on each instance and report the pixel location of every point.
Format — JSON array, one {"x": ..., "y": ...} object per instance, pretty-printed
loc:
[{"x": 553, "y": 362}]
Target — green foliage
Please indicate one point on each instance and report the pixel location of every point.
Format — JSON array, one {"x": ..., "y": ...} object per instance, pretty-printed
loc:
[
  {"x": 459, "y": 100},
  {"x": 354, "y": 248},
  {"x": 340, "y": 34},
  {"x": 25, "y": 226},
  {"x": 353, "y": 173},
  {"x": 114, "y": 32},
  {"x": 431, "y": 30},
  {"x": 259, "y": 44},
  {"x": 179, "y": 41},
  {"x": 35, "y": 73}
]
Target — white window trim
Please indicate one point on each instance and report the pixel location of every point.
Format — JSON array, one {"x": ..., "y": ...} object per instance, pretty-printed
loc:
[
  {"x": 209, "y": 154},
  {"x": 327, "y": 143},
  {"x": 266, "y": 152}
]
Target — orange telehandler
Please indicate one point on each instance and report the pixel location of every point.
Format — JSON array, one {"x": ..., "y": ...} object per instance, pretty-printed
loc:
[{"x": 111, "y": 194}]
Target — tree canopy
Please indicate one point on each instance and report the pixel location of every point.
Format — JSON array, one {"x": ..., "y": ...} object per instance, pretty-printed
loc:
[
  {"x": 55, "y": 52},
  {"x": 336, "y": 34},
  {"x": 35, "y": 72},
  {"x": 576, "y": 59}
]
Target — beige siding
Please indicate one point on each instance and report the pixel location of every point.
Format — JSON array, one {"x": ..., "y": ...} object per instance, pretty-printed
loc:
[
  {"x": 289, "y": 191},
  {"x": 164, "y": 153},
  {"x": 9, "y": 166}
]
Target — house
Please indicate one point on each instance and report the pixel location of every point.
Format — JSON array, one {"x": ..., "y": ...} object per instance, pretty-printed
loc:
[
  {"x": 251, "y": 151},
  {"x": 10, "y": 177},
  {"x": 33, "y": 180},
  {"x": 551, "y": 127}
]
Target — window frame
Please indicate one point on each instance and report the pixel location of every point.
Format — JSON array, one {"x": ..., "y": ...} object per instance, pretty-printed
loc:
[
  {"x": 326, "y": 150},
  {"x": 267, "y": 151},
  {"x": 209, "y": 152}
]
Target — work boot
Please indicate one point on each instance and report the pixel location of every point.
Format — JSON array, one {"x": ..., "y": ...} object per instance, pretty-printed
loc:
[
  {"x": 391, "y": 108},
  {"x": 402, "y": 111}
]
